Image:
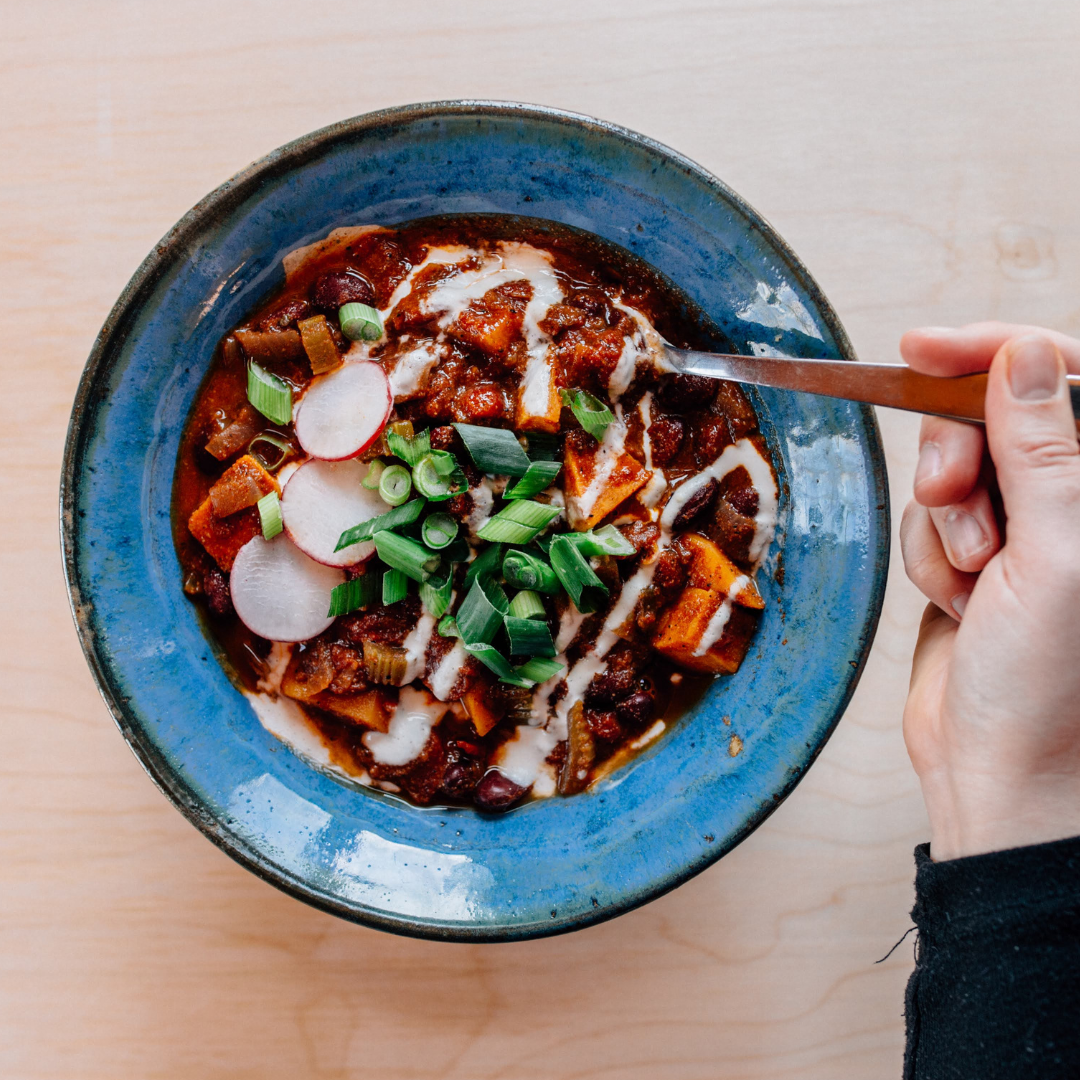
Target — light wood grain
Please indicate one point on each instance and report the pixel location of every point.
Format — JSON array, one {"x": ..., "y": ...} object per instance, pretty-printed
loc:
[{"x": 921, "y": 157}]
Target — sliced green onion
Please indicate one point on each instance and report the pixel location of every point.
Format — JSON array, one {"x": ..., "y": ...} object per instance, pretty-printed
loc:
[
  {"x": 480, "y": 616},
  {"x": 448, "y": 627},
  {"x": 271, "y": 462},
  {"x": 485, "y": 564},
  {"x": 270, "y": 395},
  {"x": 519, "y": 522},
  {"x": 540, "y": 669},
  {"x": 435, "y": 594},
  {"x": 527, "y": 605},
  {"x": 401, "y": 553},
  {"x": 538, "y": 477},
  {"x": 374, "y": 475},
  {"x": 395, "y": 484},
  {"x": 576, "y": 574},
  {"x": 437, "y": 476},
  {"x": 491, "y": 658},
  {"x": 353, "y": 595},
  {"x": 494, "y": 451},
  {"x": 359, "y": 322},
  {"x": 438, "y": 531},
  {"x": 270, "y": 515},
  {"x": 392, "y": 519},
  {"x": 543, "y": 543},
  {"x": 457, "y": 551},
  {"x": 592, "y": 414},
  {"x": 410, "y": 448},
  {"x": 529, "y": 637},
  {"x": 395, "y": 586},
  {"x": 526, "y": 571},
  {"x": 542, "y": 446},
  {"x": 605, "y": 541}
]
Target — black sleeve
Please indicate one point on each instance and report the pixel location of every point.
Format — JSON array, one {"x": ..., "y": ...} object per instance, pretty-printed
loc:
[{"x": 995, "y": 993}]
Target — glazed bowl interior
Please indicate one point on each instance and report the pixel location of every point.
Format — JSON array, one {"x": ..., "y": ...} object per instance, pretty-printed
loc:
[{"x": 554, "y": 864}]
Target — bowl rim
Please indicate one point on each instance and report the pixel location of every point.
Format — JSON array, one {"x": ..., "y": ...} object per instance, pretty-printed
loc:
[{"x": 112, "y": 336}]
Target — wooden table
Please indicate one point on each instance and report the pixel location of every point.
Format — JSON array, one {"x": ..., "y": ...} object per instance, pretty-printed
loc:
[{"x": 921, "y": 157}]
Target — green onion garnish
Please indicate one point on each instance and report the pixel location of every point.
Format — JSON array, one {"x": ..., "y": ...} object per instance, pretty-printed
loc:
[
  {"x": 271, "y": 460},
  {"x": 438, "y": 531},
  {"x": 527, "y": 605},
  {"x": 539, "y": 476},
  {"x": 435, "y": 594},
  {"x": 526, "y": 571},
  {"x": 410, "y": 448},
  {"x": 395, "y": 484},
  {"x": 437, "y": 476},
  {"x": 495, "y": 451},
  {"x": 592, "y": 414},
  {"x": 575, "y": 573},
  {"x": 540, "y": 669},
  {"x": 374, "y": 475},
  {"x": 448, "y": 627},
  {"x": 542, "y": 446},
  {"x": 457, "y": 551},
  {"x": 519, "y": 522},
  {"x": 401, "y": 553},
  {"x": 392, "y": 519},
  {"x": 480, "y": 616},
  {"x": 485, "y": 564},
  {"x": 269, "y": 394},
  {"x": 395, "y": 586},
  {"x": 270, "y": 515},
  {"x": 490, "y": 657},
  {"x": 360, "y": 322},
  {"x": 529, "y": 637},
  {"x": 353, "y": 595},
  {"x": 605, "y": 541}
]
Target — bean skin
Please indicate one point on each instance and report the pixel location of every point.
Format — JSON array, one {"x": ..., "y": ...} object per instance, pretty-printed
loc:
[
  {"x": 333, "y": 290},
  {"x": 497, "y": 792}
]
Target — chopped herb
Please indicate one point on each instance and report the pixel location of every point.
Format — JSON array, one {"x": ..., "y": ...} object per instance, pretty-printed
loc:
[
  {"x": 519, "y": 522},
  {"x": 392, "y": 519},
  {"x": 494, "y": 451},
  {"x": 269, "y": 395},
  {"x": 576, "y": 575},
  {"x": 353, "y": 595},
  {"x": 480, "y": 616},
  {"x": 527, "y": 605},
  {"x": 410, "y": 448},
  {"x": 395, "y": 586},
  {"x": 538, "y": 477},
  {"x": 360, "y": 322},
  {"x": 395, "y": 484},
  {"x": 592, "y": 414},
  {"x": 401, "y": 553},
  {"x": 527, "y": 571}
]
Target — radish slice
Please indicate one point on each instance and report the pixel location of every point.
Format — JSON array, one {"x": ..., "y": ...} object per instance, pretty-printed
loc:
[
  {"x": 342, "y": 413},
  {"x": 279, "y": 593},
  {"x": 321, "y": 500}
]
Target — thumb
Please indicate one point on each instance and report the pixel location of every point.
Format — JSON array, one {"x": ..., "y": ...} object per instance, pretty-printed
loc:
[{"x": 1031, "y": 433}]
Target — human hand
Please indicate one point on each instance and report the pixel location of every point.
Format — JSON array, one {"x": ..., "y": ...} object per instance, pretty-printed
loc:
[{"x": 992, "y": 720}]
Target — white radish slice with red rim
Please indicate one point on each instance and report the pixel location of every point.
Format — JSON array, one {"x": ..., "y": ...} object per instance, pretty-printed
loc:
[
  {"x": 342, "y": 413},
  {"x": 321, "y": 500},
  {"x": 279, "y": 593}
]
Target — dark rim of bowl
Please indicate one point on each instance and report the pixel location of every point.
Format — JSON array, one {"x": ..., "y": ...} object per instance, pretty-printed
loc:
[{"x": 114, "y": 333}]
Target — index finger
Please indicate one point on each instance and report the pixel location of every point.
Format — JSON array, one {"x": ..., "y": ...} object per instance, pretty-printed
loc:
[{"x": 943, "y": 350}]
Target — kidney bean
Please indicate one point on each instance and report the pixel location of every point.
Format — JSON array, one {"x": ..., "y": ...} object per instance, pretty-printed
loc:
[
  {"x": 618, "y": 680},
  {"x": 286, "y": 315},
  {"x": 604, "y": 725},
  {"x": 333, "y": 290},
  {"x": 700, "y": 501},
  {"x": 216, "y": 588},
  {"x": 666, "y": 436},
  {"x": 497, "y": 792},
  {"x": 711, "y": 435},
  {"x": 636, "y": 709}
]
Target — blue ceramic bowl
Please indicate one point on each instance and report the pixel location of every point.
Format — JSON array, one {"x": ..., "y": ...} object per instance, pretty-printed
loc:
[{"x": 552, "y": 865}]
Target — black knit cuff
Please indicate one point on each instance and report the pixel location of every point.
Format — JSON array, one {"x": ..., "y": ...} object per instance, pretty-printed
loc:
[{"x": 959, "y": 895}]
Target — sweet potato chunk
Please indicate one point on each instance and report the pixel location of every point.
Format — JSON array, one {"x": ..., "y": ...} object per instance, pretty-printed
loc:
[
  {"x": 369, "y": 708},
  {"x": 711, "y": 569},
  {"x": 241, "y": 485},
  {"x": 679, "y": 634},
  {"x": 309, "y": 673},
  {"x": 587, "y": 505},
  {"x": 484, "y": 705},
  {"x": 538, "y": 405},
  {"x": 224, "y": 537},
  {"x": 490, "y": 324}
]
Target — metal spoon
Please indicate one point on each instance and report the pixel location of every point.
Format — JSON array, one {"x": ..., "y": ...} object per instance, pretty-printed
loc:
[{"x": 960, "y": 397}]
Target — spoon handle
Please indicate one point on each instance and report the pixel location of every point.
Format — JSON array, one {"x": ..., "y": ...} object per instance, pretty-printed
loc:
[{"x": 961, "y": 397}]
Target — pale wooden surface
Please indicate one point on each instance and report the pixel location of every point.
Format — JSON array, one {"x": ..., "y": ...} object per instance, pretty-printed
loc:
[{"x": 921, "y": 157}]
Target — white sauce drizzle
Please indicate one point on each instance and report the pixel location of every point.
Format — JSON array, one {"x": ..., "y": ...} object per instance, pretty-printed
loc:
[
  {"x": 569, "y": 624},
  {"x": 521, "y": 757},
  {"x": 416, "y": 714},
  {"x": 483, "y": 497},
  {"x": 625, "y": 369},
  {"x": 411, "y": 369},
  {"x": 653, "y": 490},
  {"x": 415, "y": 646},
  {"x": 276, "y": 663},
  {"x": 445, "y": 675},
  {"x": 649, "y": 736}
]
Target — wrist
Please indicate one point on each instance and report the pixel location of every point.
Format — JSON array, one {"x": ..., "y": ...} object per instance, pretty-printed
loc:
[{"x": 972, "y": 814}]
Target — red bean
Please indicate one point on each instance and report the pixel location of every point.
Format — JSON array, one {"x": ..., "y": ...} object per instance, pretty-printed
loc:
[
  {"x": 339, "y": 287},
  {"x": 666, "y": 437},
  {"x": 700, "y": 501},
  {"x": 497, "y": 792},
  {"x": 216, "y": 588}
]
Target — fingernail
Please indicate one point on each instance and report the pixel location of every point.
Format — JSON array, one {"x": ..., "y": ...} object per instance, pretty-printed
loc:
[
  {"x": 929, "y": 463},
  {"x": 959, "y": 603},
  {"x": 1034, "y": 368},
  {"x": 964, "y": 534}
]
